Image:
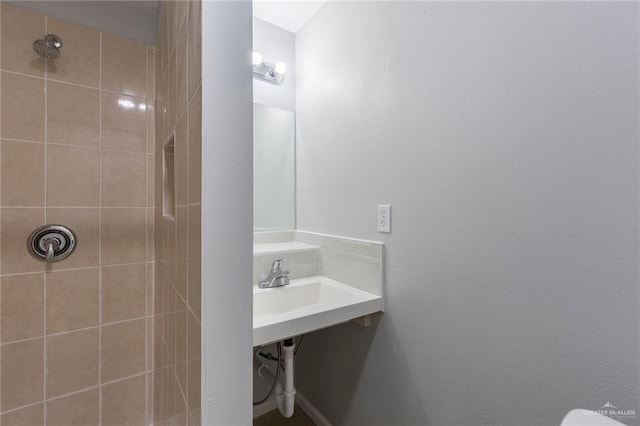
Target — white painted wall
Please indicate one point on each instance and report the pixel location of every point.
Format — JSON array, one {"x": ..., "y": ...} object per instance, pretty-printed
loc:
[
  {"x": 505, "y": 135},
  {"x": 138, "y": 23},
  {"x": 275, "y": 45},
  {"x": 227, "y": 213}
]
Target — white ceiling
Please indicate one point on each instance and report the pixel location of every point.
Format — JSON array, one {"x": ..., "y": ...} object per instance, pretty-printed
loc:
[{"x": 291, "y": 15}]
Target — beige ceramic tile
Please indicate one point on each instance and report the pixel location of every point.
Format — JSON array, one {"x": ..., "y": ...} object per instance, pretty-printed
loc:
[
  {"x": 22, "y": 307},
  {"x": 123, "y": 236},
  {"x": 72, "y": 361},
  {"x": 17, "y": 225},
  {"x": 180, "y": 416},
  {"x": 73, "y": 114},
  {"x": 123, "y": 402},
  {"x": 195, "y": 46},
  {"x": 150, "y": 235},
  {"x": 194, "y": 231},
  {"x": 161, "y": 114},
  {"x": 29, "y": 416},
  {"x": 151, "y": 126},
  {"x": 171, "y": 90},
  {"x": 159, "y": 237},
  {"x": 179, "y": 17},
  {"x": 151, "y": 72},
  {"x": 150, "y": 330},
  {"x": 22, "y": 107},
  {"x": 158, "y": 295},
  {"x": 172, "y": 256},
  {"x": 22, "y": 174},
  {"x": 20, "y": 28},
  {"x": 157, "y": 413},
  {"x": 194, "y": 416},
  {"x": 79, "y": 61},
  {"x": 73, "y": 176},
  {"x": 86, "y": 225},
  {"x": 22, "y": 375},
  {"x": 181, "y": 165},
  {"x": 124, "y": 65},
  {"x": 149, "y": 398},
  {"x": 159, "y": 407},
  {"x": 151, "y": 182},
  {"x": 170, "y": 15},
  {"x": 195, "y": 147},
  {"x": 171, "y": 297},
  {"x": 124, "y": 123},
  {"x": 193, "y": 331},
  {"x": 172, "y": 389},
  {"x": 124, "y": 179},
  {"x": 123, "y": 349},
  {"x": 72, "y": 300},
  {"x": 150, "y": 288},
  {"x": 167, "y": 112},
  {"x": 195, "y": 290},
  {"x": 182, "y": 269},
  {"x": 151, "y": 96},
  {"x": 159, "y": 360},
  {"x": 181, "y": 69},
  {"x": 170, "y": 332},
  {"x": 194, "y": 372},
  {"x": 181, "y": 345},
  {"x": 124, "y": 292},
  {"x": 158, "y": 345},
  {"x": 182, "y": 249},
  {"x": 80, "y": 409}
]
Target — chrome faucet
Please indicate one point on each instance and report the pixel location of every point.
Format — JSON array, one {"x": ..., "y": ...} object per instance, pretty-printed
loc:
[{"x": 277, "y": 277}]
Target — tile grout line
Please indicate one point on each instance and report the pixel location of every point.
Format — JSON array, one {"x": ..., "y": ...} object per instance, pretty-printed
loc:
[
  {"x": 75, "y": 392},
  {"x": 84, "y": 86},
  {"x": 62, "y": 333},
  {"x": 186, "y": 24},
  {"x": 74, "y": 145},
  {"x": 100, "y": 95},
  {"x": 46, "y": 172},
  {"x": 0, "y": 205},
  {"x": 79, "y": 268},
  {"x": 76, "y": 207},
  {"x": 146, "y": 223}
]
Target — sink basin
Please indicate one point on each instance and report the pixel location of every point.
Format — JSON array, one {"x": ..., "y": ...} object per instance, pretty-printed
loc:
[
  {"x": 305, "y": 305},
  {"x": 298, "y": 296}
]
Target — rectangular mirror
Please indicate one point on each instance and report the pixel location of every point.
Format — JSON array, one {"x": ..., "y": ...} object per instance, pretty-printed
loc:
[{"x": 273, "y": 168}]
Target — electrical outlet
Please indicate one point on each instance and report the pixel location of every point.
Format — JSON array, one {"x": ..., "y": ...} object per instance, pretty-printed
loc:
[{"x": 384, "y": 218}]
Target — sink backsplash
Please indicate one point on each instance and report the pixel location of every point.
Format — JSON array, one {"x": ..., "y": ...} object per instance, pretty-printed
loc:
[
  {"x": 301, "y": 259},
  {"x": 358, "y": 263}
]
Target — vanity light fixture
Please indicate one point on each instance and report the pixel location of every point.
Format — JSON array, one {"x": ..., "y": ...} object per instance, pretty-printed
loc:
[{"x": 271, "y": 73}]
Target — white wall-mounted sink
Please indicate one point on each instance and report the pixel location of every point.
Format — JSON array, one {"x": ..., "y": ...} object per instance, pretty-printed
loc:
[{"x": 305, "y": 305}]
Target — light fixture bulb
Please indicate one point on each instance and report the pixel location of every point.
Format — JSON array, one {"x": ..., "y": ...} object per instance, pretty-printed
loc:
[
  {"x": 256, "y": 58},
  {"x": 280, "y": 68}
]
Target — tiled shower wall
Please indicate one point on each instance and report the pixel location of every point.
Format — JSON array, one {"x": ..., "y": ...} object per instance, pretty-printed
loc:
[
  {"x": 177, "y": 297},
  {"x": 76, "y": 148}
]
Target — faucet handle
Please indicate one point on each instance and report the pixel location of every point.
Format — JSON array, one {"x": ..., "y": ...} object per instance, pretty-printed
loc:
[{"x": 276, "y": 266}]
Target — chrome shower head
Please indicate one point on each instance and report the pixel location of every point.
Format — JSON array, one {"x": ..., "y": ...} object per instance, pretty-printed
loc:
[{"x": 48, "y": 47}]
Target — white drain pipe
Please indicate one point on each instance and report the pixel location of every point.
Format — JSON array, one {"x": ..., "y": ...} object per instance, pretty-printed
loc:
[{"x": 285, "y": 399}]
